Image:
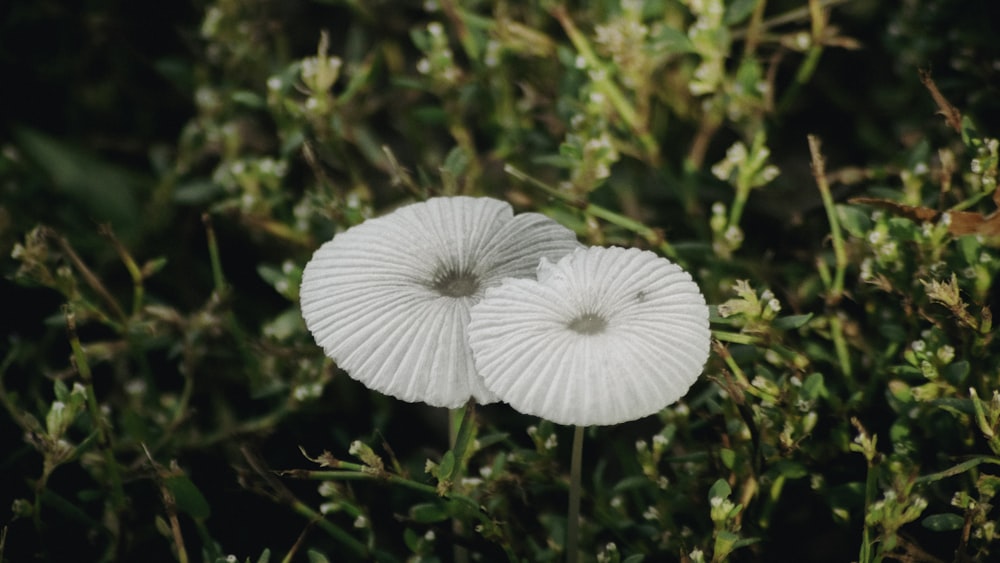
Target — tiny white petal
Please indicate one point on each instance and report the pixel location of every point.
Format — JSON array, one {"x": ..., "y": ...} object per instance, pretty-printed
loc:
[
  {"x": 605, "y": 335},
  {"x": 389, "y": 299}
]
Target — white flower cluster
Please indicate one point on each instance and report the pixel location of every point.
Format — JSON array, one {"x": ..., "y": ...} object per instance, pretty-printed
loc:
[{"x": 457, "y": 298}]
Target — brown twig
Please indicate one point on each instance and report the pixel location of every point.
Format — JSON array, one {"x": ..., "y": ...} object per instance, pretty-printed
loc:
[
  {"x": 88, "y": 276},
  {"x": 952, "y": 116}
]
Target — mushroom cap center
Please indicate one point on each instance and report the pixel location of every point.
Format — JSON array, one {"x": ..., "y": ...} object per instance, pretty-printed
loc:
[
  {"x": 588, "y": 324},
  {"x": 452, "y": 283}
]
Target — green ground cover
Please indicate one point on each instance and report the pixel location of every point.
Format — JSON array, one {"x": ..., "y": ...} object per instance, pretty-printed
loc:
[{"x": 825, "y": 170}]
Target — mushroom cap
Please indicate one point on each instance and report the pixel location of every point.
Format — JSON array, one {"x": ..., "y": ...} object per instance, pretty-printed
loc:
[
  {"x": 389, "y": 299},
  {"x": 605, "y": 335}
]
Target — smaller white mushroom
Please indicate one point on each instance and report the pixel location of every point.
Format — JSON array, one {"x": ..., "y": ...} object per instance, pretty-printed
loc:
[{"x": 605, "y": 335}]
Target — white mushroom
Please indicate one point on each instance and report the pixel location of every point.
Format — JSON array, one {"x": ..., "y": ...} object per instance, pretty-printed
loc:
[
  {"x": 389, "y": 299},
  {"x": 605, "y": 335}
]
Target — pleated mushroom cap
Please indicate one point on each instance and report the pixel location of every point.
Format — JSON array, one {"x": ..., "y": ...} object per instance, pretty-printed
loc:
[
  {"x": 389, "y": 299},
  {"x": 605, "y": 335}
]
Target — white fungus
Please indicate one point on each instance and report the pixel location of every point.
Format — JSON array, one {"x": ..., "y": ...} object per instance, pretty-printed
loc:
[
  {"x": 389, "y": 299},
  {"x": 605, "y": 335}
]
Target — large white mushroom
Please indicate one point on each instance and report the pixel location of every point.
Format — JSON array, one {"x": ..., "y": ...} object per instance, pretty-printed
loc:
[{"x": 389, "y": 299}]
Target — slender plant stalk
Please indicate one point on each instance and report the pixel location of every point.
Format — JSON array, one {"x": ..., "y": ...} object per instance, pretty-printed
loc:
[
  {"x": 754, "y": 29},
  {"x": 651, "y": 235},
  {"x": 458, "y": 433},
  {"x": 835, "y": 287},
  {"x": 92, "y": 280},
  {"x": 573, "y": 514},
  {"x": 808, "y": 66},
  {"x": 839, "y": 251},
  {"x": 221, "y": 290},
  {"x": 103, "y": 432},
  {"x": 330, "y": 528},
  {"x": 735, "y": 337},
  {"x": 213, "y": 254},
  {"x": 607, "y": 86},
  {"x": 134, "y": 272}
]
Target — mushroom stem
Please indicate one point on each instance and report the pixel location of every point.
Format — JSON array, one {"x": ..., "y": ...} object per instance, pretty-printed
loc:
[
  {"x": 459, "y": 435},
  {"x": 573, "y": 515}
]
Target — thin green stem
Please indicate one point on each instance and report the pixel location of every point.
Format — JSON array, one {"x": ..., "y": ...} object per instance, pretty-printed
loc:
[
  {"x": 836, "y": 235},
  {"x": 734, "y": 337},
  {"x": 754, "y": 29},
  {"x": 358, "y": 472},
  {"x": 459, "y": 436},
  {"x": 866, "y": 555},
  {"x": 138, "y": 289},
  {"x": 840, "y": 345},
  {"x": 221, "y": 290},
  {"x": 651, "y": 235},
  {"x": 573, "y": 514},
  {"x": 739, "y": 202},
  {"x": 103, "y": 434},
  {"x": 957, "y": 469},
  {"x": 835, "y": 286},
  {"x": 793, "y": 15},
  {"x": 213, "y": 254},
  {"x": 808, "y": 65},
  {"x": 352, "y": 543},
  {"x": 606, "y": 85},
  {"x": 93, "y": 281}
]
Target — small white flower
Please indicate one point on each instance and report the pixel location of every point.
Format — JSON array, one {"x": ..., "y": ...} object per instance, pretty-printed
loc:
[
  {"x": 389, "y": 299},
  {"x": 604, "y": 336},
  {"x": 651, "y": 513}
]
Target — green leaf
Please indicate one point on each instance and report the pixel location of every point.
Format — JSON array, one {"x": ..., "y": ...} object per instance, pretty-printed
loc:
[
  {"x": 791, "y": 322},
  {"x": 969, "y": 133},
  {"x": 814, "y": 387},
  {"x": 671, "y": 41},
  {"x": 103, "y": 191},
  {"x": 854, "y": 220},
  {"x": 285, "y": 325},
  {"x": 791, "y": 469},
  {"x": 945, "y": 522},
  {"x": 970, "y": 248},
  {"x": 412, "y": 540},
  {"x": 270, "y": 274},
  {"x": 464, "y": 438},
  {"x": 151, "y": 267},
  {"x": 728, "y": 457},
  {"x": 197, "y": 192},
  {"x": 61, "y": 391},
  {"x": 447, "y": 465},
  {"x": 630, "y": 483},
  {"x": 745, "y": 542},
  {"x": 426, "y": 513},
  {"x": 187, "y": 496},
  {"x": 634, "y": 558},
  {"x": 892, "y": 332},
  {"x": 739, "y": 10},
  {"x": 249, "y": 99},
  {"x": 957, "y": 372},
  {"x": 720, "y": 489},
  {"x": 457, "y": 161},
  {"x": 317, "y": 557}
]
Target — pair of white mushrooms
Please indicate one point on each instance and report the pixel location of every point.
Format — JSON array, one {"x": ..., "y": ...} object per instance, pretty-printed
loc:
[{"x": 457, "y": 298}]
